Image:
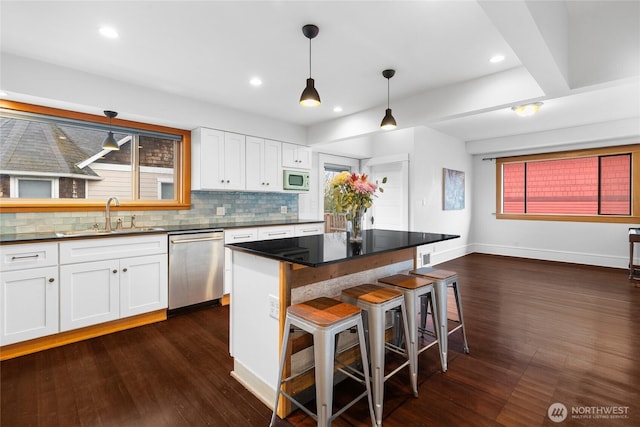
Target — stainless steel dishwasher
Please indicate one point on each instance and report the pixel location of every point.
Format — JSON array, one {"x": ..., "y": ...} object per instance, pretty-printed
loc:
[{"x": 196, "y": 267}]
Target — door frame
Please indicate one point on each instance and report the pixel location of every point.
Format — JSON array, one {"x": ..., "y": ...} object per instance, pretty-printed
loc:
[{"x": 402, "y": 158}]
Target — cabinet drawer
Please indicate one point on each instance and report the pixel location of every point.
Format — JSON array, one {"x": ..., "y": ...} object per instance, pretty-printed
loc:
[
  {"x": 301, "y": 230},
  {"x": 32, "y": 255},
  {"x": 111, "y": 248},
  {"x": 239, "y": 235},
  {"x": 276, "y": 232}
]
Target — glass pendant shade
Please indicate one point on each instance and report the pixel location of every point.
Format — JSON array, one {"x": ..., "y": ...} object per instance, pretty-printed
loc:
[
  {"x": 310, "y": 96},
  {"x": 110, "y": 143},
  {"x": 388, "y": 122}
]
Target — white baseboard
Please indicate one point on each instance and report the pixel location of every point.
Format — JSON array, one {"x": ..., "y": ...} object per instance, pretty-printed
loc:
[
  {"x": 254, "y": 384},
  {"x": 600, "y": 260}
]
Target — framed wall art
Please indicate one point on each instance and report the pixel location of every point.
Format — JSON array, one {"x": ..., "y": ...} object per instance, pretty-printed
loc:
[{"x": 453, "y": 191}]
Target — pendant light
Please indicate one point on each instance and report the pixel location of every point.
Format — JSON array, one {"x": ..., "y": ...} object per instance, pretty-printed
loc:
[
  {"x": 110, "y": 142},
  {"x": 388, "y": 122},
  {"x": 310, "y": 96}
]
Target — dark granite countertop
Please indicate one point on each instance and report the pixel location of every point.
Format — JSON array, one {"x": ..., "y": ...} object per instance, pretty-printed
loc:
[
  {"x": 314, "y": 251},
  {"x": 50, "y": 236}
]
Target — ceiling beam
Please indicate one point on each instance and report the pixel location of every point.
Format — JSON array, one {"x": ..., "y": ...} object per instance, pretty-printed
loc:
[{"x": 538, "y": 34}]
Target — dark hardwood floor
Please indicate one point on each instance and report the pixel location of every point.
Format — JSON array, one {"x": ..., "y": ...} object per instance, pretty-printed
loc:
[{"x": 539, "y": 333}]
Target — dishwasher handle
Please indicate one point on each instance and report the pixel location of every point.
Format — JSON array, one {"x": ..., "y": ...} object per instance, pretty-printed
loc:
[{"x": 197, "y": 239}]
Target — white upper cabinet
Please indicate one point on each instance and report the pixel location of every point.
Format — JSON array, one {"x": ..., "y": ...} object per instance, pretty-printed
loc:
[
  {"x": 296, "y": 156},
  {"x": 217, "y": 160},
  {"x": 263, "y": 164}
]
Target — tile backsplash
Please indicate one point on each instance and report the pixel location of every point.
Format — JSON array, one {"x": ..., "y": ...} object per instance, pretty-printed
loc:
[{"x": 238, "y": 207}]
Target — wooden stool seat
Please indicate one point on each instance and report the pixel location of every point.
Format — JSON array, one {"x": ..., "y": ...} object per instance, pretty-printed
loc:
[
  {"x": 372, "y": 294},
  {"x": 405, "y": 281},
  {"x": 324, "y": 311},
  {"x": 435, "y": 274}
]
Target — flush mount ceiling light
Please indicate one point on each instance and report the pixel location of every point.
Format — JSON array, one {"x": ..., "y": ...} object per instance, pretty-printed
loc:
[
  {"x": 526, "y": 110},
  {"x": 310, "y": 96},
  {"x": 388, "y": 122},
  {"x": 110, "y": 142},
  {"x": 108, "y": 32}
]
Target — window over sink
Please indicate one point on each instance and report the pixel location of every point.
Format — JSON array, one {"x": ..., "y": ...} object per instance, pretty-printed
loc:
[{"x": 52, "y": 160}]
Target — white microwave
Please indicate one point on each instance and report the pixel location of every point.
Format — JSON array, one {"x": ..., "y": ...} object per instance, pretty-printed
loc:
[{"x": 295, "y": 180}]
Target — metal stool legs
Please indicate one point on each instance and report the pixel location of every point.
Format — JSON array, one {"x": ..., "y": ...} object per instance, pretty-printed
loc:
[
  {"x": 418, "y": 295},
  {"x": 324, "y": 343},
  {"x": 369, "y": 298},
  {"x": 442, "y": 279}
]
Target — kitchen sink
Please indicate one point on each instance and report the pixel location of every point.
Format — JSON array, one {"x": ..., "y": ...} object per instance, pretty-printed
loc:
[{"x": 102, "y": 232}]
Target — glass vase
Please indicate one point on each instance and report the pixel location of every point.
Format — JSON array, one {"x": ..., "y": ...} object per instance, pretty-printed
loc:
[{"x": 356, "y": 217}]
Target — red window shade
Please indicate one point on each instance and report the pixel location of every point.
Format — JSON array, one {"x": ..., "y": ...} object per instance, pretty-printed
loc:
[
  {"x": 567, "y": 186},
  {"x": 615, "y": 185},
  {"x": 597, "y": 185},
  {"x": 513, "y": 188}
]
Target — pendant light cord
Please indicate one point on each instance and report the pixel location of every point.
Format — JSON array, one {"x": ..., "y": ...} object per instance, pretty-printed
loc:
[
  {"x": 309, "y": 58},
  {"x": 388, "y": 92}
]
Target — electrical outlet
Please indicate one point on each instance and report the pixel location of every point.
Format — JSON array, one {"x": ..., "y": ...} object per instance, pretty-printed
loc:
[
  {"x": 220, "y": 211},
  {"x": 426, "y": 259},
  {"x": 274, "y": 307},
  {"x": 283, "y": 209}
]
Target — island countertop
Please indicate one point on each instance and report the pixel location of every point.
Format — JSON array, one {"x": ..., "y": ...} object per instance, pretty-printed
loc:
[{"x": 319, "y": 250}]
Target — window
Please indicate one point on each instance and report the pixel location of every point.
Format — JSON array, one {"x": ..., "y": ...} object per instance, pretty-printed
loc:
[
  {"x": 52, "y": 160},
  {"x": 34, "y": 188},
  {"x": 586, "y": 185}
]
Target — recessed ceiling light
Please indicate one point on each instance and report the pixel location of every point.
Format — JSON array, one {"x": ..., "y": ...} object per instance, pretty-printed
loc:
[
  {"x": 496, "y": 58},
  {"x": 337, "y": 109},
  {"x": 255, "y": 81},
  {"x": 109, "y": 32}
]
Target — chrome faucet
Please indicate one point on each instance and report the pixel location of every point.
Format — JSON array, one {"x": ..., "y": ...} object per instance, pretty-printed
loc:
[{"x": 107, "y": 212}]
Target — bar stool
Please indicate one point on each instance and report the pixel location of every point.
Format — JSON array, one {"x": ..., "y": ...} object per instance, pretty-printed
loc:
[
  {"x": 376, "y": 300},
  {"x": 324, "y": 318},
  {"x": 415, "y": 290},
  {"x": 441, "y": 280}
]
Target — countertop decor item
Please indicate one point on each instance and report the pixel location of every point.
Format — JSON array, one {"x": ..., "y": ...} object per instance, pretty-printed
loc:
[{"x": 353, "y": 194}]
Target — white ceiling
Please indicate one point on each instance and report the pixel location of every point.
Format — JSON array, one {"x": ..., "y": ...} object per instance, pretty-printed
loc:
[{"x": 582, "y": 58}]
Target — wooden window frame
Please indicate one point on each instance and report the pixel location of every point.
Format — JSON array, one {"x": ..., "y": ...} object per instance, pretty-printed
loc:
[
  {"x": 634, "y": 150},
  {"x": 183, "y": 166}
]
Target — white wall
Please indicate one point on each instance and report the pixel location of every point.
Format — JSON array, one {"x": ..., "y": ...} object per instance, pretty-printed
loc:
[
  {"x": 429, "y": 152},
  {"x": 54, "y": 86},
  {"x": 603, "y": 244}
]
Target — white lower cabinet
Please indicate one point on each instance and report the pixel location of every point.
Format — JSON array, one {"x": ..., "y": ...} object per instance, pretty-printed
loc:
[
  {"x": 28, "y": 291},
  {"x": 29, "y": 304},
  {"x": 114, "y": 279},
  {"x": 89, "y": 293},
  {"x": 143, "y": 283}
]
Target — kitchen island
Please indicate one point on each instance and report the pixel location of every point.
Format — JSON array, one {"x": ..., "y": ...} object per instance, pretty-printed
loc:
[{"x": 268, "y": 276}]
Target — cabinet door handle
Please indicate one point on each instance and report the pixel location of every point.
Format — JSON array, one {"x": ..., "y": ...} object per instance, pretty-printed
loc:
[
  {"x": 222, "y": 181},
  {"x": 25, "y": 257},
  {"x": 247, "y": 236},
  {"x": 115, "y": 271},
  {"x": 124, "y": 270},
  {"x": 51, "y": 280}
]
